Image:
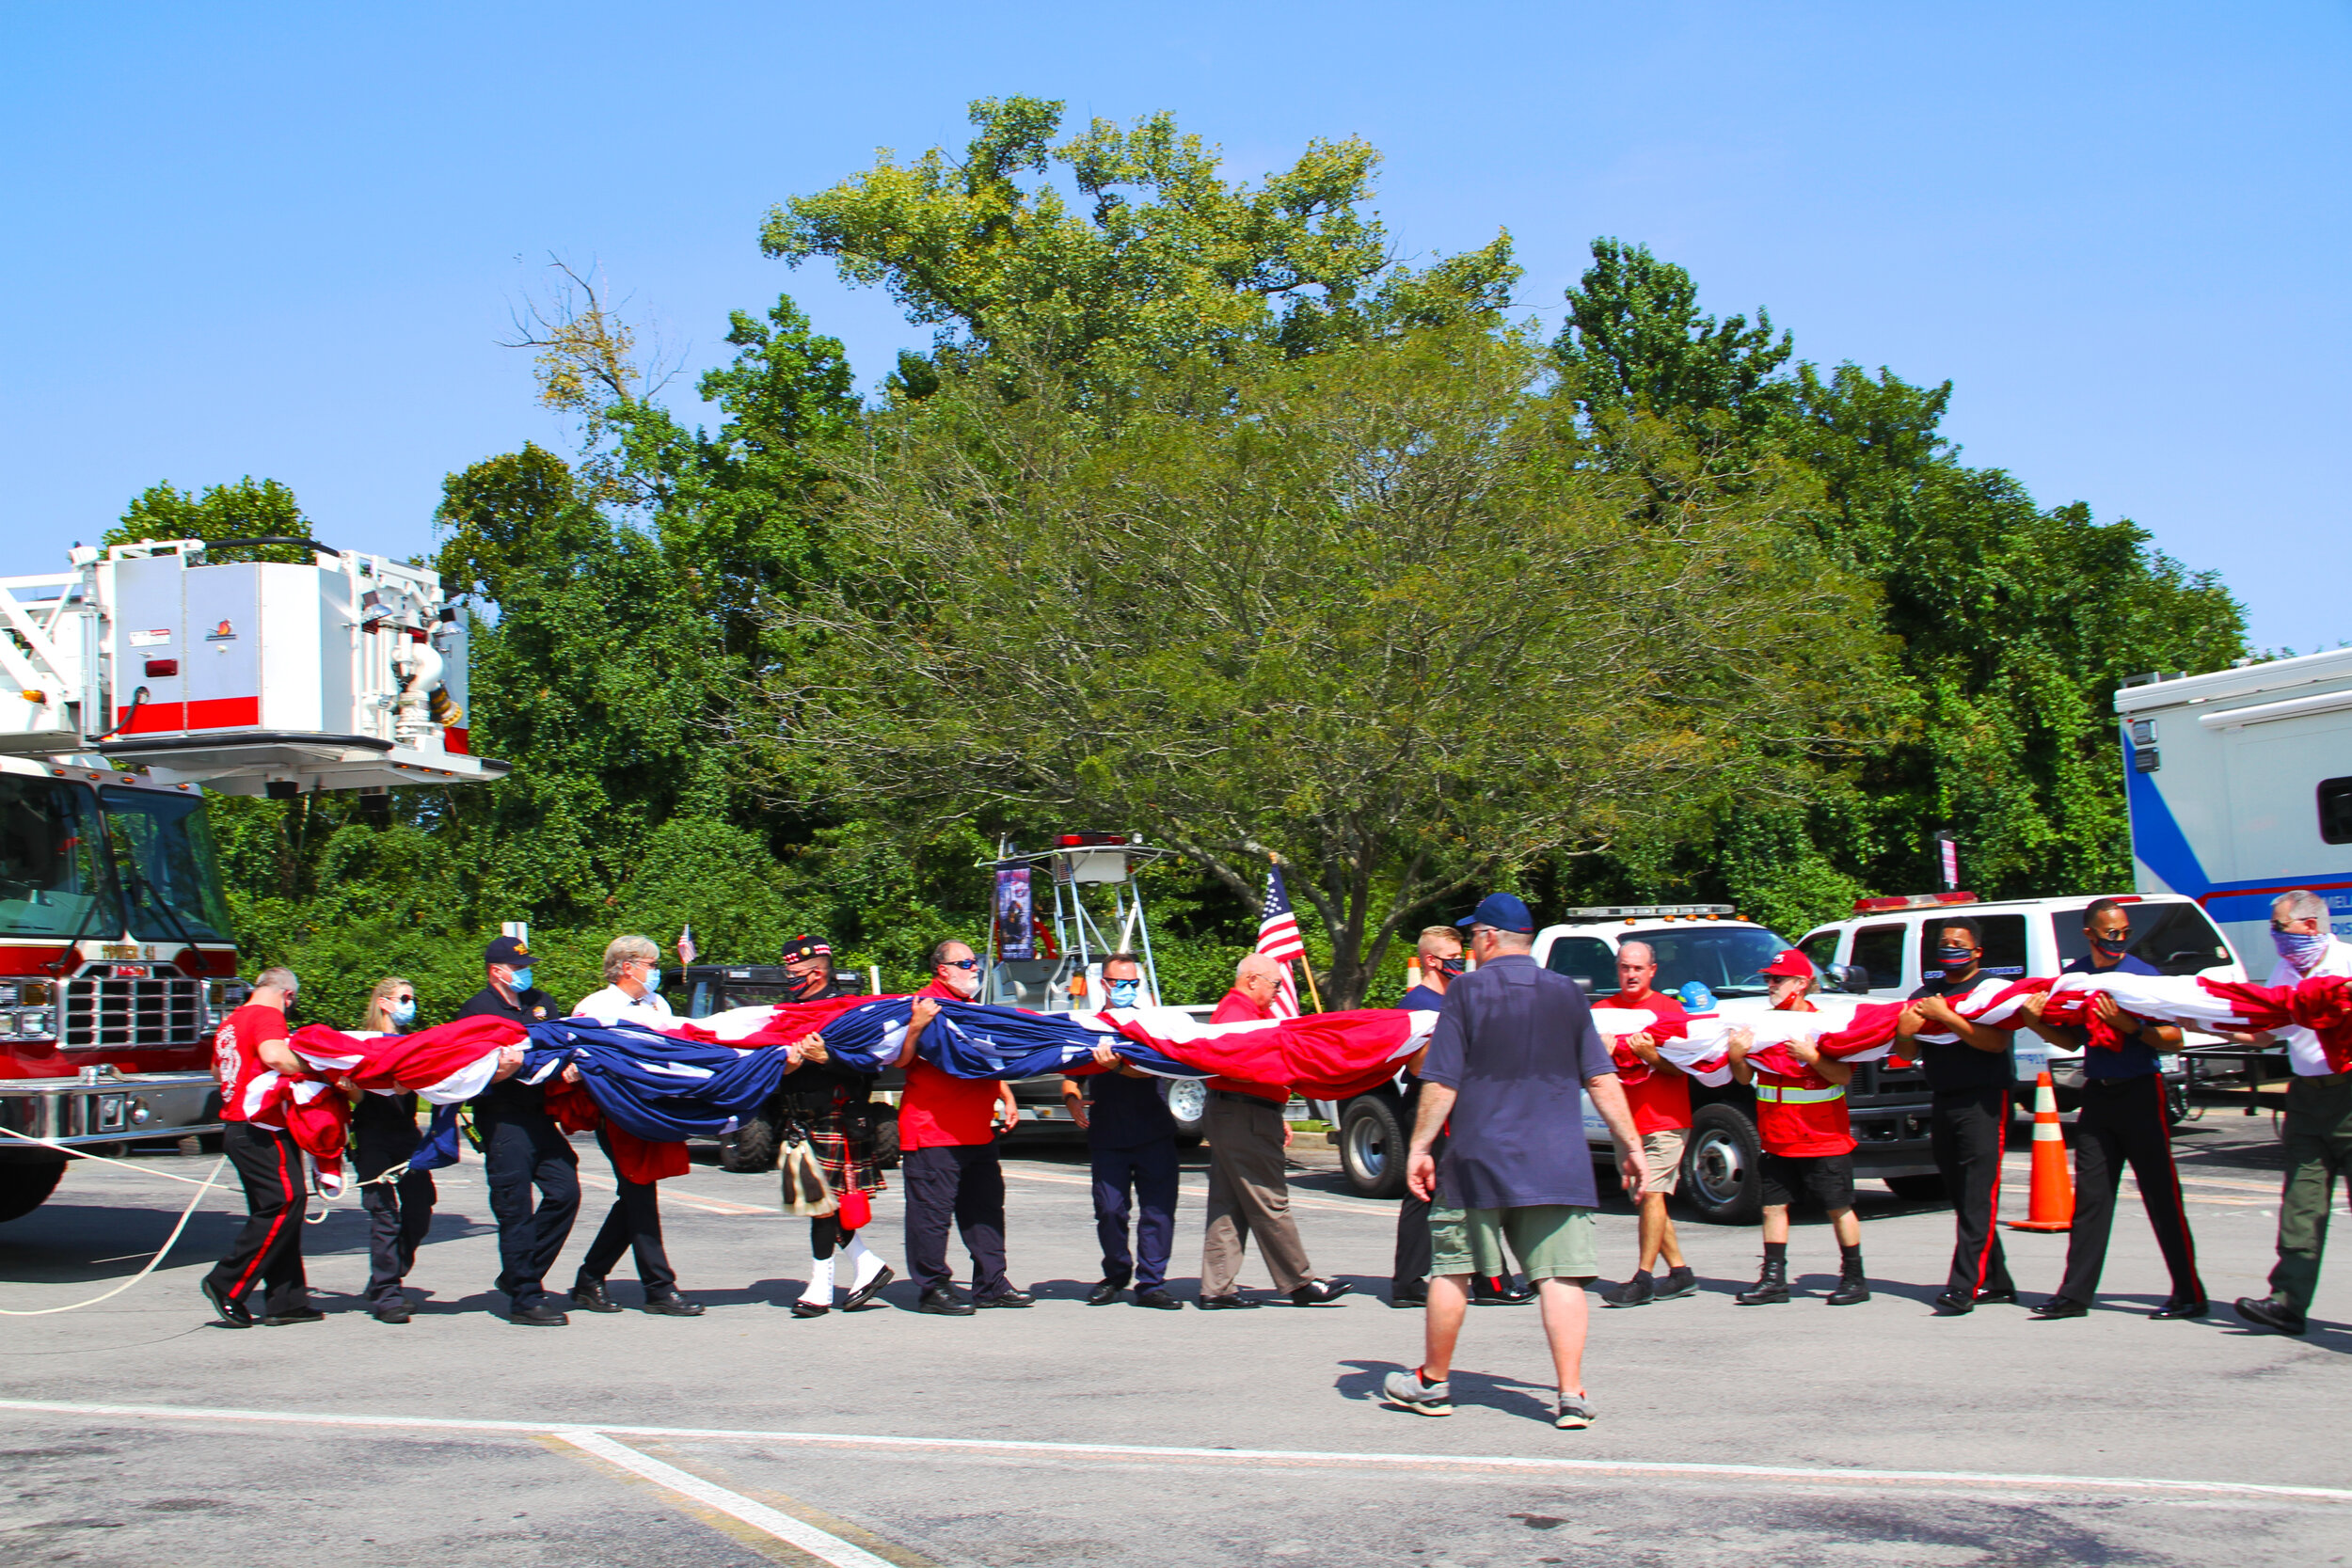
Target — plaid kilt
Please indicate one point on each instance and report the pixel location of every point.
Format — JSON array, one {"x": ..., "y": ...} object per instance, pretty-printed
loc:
[{"x": 842, "y": 1139}]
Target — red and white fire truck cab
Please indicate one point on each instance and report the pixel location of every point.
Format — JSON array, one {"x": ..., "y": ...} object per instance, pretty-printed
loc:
[{"x": 131, "y": 685}]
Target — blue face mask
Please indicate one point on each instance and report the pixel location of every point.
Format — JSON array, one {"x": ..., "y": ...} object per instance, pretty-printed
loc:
[
  {"x": 1126, "y": 993},
  {"x": 2300, "y": 948},
  {"x": 405, "y": 1012},
  {"x": 653, "y": 980},
  {"x": 1963, "y": 959},
  {"x": 522, "y": 981}
]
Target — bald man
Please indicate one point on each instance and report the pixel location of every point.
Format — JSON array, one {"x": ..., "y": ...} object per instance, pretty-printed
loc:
[{"x": 1248, "y": 1191}]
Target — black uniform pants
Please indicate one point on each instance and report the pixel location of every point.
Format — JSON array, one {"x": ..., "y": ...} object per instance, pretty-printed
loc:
[
  {"x": 1148, "y": 1172},
  {"x": 268, "y": 1249},
  {"x": 399, "y": 1215},
  {"x": 634, "y": 1225},
  {"x": 2124, "y": 1119},
  {"x": 1968, "y": 1130},
  {"x": 520, "y": 1154},
  {"x": 966, "y": 1182}
]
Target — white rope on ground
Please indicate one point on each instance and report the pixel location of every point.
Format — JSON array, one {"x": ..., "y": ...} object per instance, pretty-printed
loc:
[
  {"x": 170, "y": 1241},
  {"x": 104, "y": 1159}
]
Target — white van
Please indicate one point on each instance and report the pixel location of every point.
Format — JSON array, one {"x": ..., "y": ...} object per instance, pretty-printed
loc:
[{"x": 1892, "y": 941}]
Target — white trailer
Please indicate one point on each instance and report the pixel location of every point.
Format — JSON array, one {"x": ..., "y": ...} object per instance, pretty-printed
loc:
[{"x": 2240, "y": 784}]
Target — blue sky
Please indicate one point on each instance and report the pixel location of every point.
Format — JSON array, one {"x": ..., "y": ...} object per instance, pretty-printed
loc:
[{"x": 284, "y": 240}]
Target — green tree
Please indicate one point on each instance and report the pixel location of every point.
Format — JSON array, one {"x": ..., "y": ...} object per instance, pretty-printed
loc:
[
  {"x": 1161, "y": 261},
  {"x": 1379, "y": 616},
  {"x": 250, "y": 509}
]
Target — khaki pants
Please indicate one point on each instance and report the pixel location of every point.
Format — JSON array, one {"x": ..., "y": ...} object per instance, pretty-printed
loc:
[
  {"x": 2318, "y": 1138},
  {"x": 1248, "y": 1194}
]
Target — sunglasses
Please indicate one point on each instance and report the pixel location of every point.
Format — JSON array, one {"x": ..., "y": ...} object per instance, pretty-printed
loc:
[{"x": 961, "y": 963}]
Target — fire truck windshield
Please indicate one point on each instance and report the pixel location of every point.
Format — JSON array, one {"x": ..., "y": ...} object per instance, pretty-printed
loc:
[
  {"x": 165, "y": 863},
  {"x": 54, "y": 878}
]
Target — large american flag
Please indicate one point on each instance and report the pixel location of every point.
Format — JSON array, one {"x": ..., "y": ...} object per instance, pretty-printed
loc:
[{"x": 1279, "y": 940}]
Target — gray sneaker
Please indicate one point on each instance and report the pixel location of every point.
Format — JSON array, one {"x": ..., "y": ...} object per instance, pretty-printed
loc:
[
  {"x": 1573, "y": 1413},
  {"x": 1407, "y": 1389}
]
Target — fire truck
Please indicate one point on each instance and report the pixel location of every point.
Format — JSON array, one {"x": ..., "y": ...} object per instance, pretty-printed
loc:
[{"x": 132, "y": 685}]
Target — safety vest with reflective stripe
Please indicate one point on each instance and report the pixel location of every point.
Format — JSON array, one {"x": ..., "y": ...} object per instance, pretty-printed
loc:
[{"x": 1792, "y": 1096}]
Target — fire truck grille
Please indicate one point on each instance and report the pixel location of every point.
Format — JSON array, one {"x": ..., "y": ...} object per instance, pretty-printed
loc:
[{"x": 104, "y": 1013}]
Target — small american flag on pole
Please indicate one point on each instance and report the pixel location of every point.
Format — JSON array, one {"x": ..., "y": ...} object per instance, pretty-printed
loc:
[{"x": 1279, "y": 940}]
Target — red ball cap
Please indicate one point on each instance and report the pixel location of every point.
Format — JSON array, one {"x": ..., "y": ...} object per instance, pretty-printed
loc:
[{"x": 1789, "y": 964}]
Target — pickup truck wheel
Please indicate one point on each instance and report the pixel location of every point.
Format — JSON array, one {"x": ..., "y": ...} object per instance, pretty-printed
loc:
[
  {"x": 1188, "y": 1103},
  {"x": 1719, "y": 1167},
  {"x": 751, "y": 1146},
  {"x": 886, "y": 1141},
  {"x": 24, "y": 1187},
  {"x": 1372, "y": 1147},
  {"x": 2175, "y": 1103},
  {"x": 1917, "y": 1189}
]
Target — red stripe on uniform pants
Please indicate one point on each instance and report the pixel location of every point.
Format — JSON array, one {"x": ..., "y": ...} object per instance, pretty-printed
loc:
[
  {"x": 1992, "y": 1208},
  {"x": 285, "y": 1183},
  {"x": 2173, "y": 1172}
]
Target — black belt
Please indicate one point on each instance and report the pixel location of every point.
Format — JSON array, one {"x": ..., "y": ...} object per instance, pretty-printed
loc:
[{"x": 1250, "y": 1099}]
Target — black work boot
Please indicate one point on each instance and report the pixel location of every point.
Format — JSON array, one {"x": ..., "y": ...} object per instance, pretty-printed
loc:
[
  {"x": 1852, "y": 1290},
  {"x": 1770, "y": 1286}
]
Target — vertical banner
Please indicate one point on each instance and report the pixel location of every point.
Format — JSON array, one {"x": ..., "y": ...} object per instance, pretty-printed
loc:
[
  {"x": 1016, "y": 928},
  {"x": 1948, "y": 851}
]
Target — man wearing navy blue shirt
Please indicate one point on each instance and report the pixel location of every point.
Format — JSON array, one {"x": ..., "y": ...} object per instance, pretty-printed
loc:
[
  {"x": 1514, "y": 1054},
  {"x": 1440, "y": 954},
  {"x": 1131, "y": 1135},
  {"x": 2124, "y": 1117}
]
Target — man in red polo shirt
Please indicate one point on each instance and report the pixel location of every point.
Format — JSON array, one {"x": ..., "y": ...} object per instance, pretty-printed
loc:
[
  {"x": 1809, "y": 1142},
  {"x": 1248, "y": 1191},
  {"x": 1660, "y": 1104},
  {"x": 947, "y": 1139}
]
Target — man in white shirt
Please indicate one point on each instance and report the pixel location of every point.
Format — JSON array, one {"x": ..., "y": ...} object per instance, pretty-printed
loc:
[
  {"x": 2318, "y": 1125},
  {"x": 633, "y": 994}
]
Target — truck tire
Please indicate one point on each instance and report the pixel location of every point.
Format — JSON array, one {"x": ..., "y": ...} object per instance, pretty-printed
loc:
[
  {"x": 24, "y": 1187},
  {"x": 750, "y": 1147},
  {"x": 1188, "y": 1103},
  {"x": 1719, "y": 1167},
  {"x": 886, "y": 1141},
  {"x": 1917, "y": 1189},
  {"x": 1372, "y": 1147}
]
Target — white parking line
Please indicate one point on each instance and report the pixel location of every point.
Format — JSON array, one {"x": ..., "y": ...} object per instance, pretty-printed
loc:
[
  {"x": 808, "y": 1538},
  {"x": 2155, "y": 1486}
]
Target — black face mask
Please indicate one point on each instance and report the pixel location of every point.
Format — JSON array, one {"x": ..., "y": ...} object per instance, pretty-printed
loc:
[
  {"x": 1956, "y": 961},
  {"x": 1452, "y": 966},
  {"x": 2113, "y": 947}
]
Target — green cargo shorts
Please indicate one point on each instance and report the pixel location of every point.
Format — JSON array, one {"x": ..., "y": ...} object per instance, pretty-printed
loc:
[{"x": 1552, "y": 1240}]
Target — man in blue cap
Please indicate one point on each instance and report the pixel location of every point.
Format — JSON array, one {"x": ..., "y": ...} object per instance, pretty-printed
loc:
[{"x": 1513, "y": 1054}]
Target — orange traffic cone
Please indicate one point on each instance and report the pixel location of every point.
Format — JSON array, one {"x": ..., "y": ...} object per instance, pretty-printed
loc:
[{"x": 2052, "y": 1204}]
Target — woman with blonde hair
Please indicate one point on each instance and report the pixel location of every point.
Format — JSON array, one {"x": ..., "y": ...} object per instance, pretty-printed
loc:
[{"x": 383, "y": 1136}]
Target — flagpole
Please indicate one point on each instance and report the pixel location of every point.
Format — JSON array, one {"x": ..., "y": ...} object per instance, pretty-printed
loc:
[{"x": 1304, "y": 962}]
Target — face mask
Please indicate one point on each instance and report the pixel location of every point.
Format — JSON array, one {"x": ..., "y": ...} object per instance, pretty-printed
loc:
[
  {"x": 405, "y": 1012},
  {"x": 1454, "y": 966},
  {"x": 2299, "y": 948},
  {"x": 1962, "y": 959},
  {"x": 521, "y": 981},
  {"x": 1125, "y": 993},
  {"x": 653, "y": 980},
  {"x": 2113, "y": 949}
]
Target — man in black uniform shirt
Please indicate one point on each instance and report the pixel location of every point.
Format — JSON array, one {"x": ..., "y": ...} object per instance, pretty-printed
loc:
[
  {"x": 522, "y": 1148},
  {"x": 1969, "y": 1070},
  {"x": 1132, "y": 1134},
  {"x": 809, "y": 961},
  {"x": 2124, "y": 1117}
]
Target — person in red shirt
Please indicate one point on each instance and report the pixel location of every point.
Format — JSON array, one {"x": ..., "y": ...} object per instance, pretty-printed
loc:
[
  {"x": 250, "y": 1044},
  {"x": 1660, "y": 1104},
  {"x": 1809, "y": 1142},
  {"x": 1248, "y": 1191},
  {"x": 947, "y": 1143}
]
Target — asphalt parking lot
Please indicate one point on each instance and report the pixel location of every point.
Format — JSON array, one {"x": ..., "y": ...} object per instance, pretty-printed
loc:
[{"x": 135, "y": 1432}]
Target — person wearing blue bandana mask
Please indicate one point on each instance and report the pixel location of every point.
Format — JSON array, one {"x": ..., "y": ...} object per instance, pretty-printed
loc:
[
  {"x": 523, "y": 1148},
  {"x": 2316, "y": 1130},
  {"x": 1131, "y": 1135}
]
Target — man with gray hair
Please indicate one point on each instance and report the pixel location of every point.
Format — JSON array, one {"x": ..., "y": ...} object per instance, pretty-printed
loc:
[
  {"x": 2319, "y": 1127},
  {"x": 248, "y": 1049},
  {"x": 1249, "y": 1193},
  {"x": 633, "y": 994}
]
